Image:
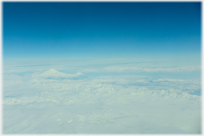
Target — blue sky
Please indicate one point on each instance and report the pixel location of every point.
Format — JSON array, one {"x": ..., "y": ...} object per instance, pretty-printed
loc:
[{"x": 101, "y": 30}]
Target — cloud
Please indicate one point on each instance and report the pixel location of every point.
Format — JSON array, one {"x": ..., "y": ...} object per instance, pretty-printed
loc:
[
  {"x": 92, "y": 103},
  {"x": 137, "y": 69},
  {"x": 90, "y": 91},
  {"x": 169, "y": 80},
  {"x": 50, "y": 101}
]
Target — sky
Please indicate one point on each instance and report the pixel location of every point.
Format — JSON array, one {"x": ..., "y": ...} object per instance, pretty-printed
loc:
[
  {"x": 101, "y": 30},
  {"x": 101, "y": 68}
]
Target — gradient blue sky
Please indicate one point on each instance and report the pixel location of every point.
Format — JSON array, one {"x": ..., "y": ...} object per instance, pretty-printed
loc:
[{"x": 91, "y": 30}]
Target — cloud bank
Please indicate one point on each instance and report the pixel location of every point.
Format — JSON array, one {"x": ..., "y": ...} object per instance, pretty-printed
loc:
[
  {"x": 174, "y": 69},
  {"x": 47, "y": 101}
]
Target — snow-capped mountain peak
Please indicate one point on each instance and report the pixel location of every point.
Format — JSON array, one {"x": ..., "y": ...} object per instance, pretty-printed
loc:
[{"x": 52, "y": 73}]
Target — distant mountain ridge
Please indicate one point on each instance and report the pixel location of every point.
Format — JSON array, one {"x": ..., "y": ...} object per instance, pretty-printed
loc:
[{"x": 52, "y": 73}]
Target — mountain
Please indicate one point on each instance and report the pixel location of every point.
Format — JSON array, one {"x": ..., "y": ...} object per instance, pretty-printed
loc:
[{"x": 56, "y": 74}]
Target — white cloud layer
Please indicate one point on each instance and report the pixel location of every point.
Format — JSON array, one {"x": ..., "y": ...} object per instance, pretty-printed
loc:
[
  {"x": 161, "y": 69},
  {"x": 53, "y": 102}
]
